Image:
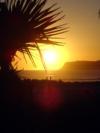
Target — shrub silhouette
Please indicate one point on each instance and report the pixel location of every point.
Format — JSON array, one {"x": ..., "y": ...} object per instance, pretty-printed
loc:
[{"x": 23, "y": 25}]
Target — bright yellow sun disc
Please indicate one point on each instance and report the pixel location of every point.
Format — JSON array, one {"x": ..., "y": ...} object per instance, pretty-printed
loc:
[{"x": 50, "y": 57}]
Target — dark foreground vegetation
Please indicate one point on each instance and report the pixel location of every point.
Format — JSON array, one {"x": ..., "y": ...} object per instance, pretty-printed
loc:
[{"x": 48, "y": 106}]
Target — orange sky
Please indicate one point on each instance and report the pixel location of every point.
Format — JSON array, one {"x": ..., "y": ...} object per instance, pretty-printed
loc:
[
  {"x": 83, "y": 38},
  {"x": 82, "y": 42}
]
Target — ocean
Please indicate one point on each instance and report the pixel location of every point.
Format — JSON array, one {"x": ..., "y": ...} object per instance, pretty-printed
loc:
[{"x": 70, "y": 76}]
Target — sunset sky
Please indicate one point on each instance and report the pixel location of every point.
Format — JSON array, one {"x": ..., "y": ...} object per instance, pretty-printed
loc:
[{"x": 82, "y": 41}]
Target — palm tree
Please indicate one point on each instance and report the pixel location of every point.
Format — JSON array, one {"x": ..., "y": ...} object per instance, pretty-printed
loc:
[{"x": 23, "y": 25}]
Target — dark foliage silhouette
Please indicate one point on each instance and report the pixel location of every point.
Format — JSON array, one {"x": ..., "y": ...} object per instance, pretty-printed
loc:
[{"x": 23, "y": 25}]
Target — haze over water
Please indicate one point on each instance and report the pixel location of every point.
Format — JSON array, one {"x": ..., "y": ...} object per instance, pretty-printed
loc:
[{"x": 87, "y": 71}]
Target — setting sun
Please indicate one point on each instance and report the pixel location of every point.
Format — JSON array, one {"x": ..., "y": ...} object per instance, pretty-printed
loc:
[
  {"x": 54, "y": 58},
  {"x": 50, "y": 57}
]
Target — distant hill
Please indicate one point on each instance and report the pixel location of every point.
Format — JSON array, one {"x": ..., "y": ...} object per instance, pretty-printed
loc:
[{"x": 81, "y": 65}]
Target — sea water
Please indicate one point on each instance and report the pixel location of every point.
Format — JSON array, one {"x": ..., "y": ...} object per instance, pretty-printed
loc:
[{"x": 77, "y": 75}]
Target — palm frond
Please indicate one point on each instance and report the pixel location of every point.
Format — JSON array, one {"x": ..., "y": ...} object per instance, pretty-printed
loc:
[{"x": 25, "y": 22}]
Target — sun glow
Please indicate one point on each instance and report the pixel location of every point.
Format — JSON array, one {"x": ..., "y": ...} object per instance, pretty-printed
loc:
[
  {"x": 54, "y": 57},
  {"x": 50, "y": 57}
]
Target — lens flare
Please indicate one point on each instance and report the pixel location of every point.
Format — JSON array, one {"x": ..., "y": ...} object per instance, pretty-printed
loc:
[{"x": 49, "y": 98}]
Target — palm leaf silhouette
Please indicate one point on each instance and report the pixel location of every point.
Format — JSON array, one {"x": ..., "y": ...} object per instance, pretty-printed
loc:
[{"x": 23, "y": 25}]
